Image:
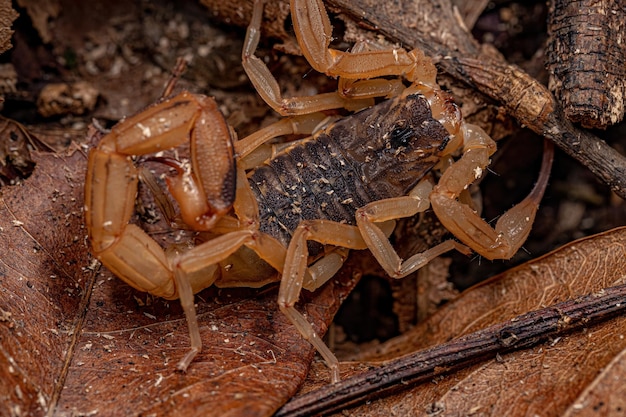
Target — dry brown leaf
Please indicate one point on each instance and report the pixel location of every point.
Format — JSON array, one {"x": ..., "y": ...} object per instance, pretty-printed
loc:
[
  {"x": 74, "y": 340},
  {"x": 606, "y": 395},
  {"x": 548, "y": 379}
]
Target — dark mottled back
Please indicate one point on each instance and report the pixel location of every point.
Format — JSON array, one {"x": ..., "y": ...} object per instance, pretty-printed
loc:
[{"x": 380, "y": 152}]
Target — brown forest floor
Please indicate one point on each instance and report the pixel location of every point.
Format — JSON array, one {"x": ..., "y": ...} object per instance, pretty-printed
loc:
[{"x": 124, "y": 51}]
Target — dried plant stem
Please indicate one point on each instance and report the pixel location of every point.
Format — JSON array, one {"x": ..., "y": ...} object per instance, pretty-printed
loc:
[{"x": 521, "y": 332}]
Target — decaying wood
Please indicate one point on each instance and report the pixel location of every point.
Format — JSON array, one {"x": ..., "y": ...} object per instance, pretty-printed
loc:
[
  {"x": 7, "y": 16},
  {"x": 586, "y": 56},
  {"x": 470, "y": 11},
  {"x": 433, "y": 26},
  {"x": 521, "y": 332}
]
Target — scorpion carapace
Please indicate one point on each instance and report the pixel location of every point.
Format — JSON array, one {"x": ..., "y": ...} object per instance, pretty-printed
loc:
[{"x": 355, "y": 161}]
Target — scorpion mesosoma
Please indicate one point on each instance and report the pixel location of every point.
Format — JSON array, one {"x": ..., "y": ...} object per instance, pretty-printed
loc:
[{"x": 341, "y": 188}]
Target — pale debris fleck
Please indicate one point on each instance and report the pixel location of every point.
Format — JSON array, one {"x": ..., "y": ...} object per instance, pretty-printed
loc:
[{"x": 145, "y": 130}]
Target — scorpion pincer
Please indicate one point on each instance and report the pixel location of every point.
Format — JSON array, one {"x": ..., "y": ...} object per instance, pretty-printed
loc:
[{"x": 296, "y": 212}]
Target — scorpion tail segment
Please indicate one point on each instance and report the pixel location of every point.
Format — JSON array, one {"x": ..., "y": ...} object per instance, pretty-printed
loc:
[
  {"x": 517, "y": 222},
  {"x": 194, "y": 208},
  {"x": 138, "y": 260},
  {"x": 214, "y": 157},
  {"x": 146, "y": 132},
  {"x": 110, "y": 190},
  {"x": 512, "y": 228}
]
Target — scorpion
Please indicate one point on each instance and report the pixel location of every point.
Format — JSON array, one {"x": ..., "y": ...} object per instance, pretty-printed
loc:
[{"x": 293, "y": 216}]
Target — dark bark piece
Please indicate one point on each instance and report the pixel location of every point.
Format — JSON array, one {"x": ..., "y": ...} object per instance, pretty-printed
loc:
[
  {"x": 518, "y": 333},
  {"x": 238, "y": 13},
  {"x": 586, "y": 57},
  {"x": 7, "y": 16}
]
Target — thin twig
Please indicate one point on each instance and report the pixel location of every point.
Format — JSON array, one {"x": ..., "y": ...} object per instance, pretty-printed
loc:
[
  {"x": 177, "y": 72},
  {"x": 521, "y": 332}
]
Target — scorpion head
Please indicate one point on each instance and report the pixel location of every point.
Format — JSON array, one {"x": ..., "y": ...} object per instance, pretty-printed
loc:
[{"x": 395, "y": 142}]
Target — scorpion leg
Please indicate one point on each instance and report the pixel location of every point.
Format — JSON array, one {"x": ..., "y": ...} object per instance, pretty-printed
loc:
[
  {"x": 252, "y": 150},
  {"x": 366, "y": 235},
  {"x": 357, "y": 67},
  {"x": 512, "y": 228},
  {"x": 326, "y": 232},
  {"x": 195, "y": 263},
  {"x": 267, "y": 86},
  {"x": 394, "y": 208}
]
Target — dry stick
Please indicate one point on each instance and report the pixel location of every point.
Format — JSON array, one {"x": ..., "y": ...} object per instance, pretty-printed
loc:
[
  {"x": 432, "y": 26},
  {"x": 533, "y": 106},
  {"x": 177, "y": 72},
  {"x": 521, "y": 332}
]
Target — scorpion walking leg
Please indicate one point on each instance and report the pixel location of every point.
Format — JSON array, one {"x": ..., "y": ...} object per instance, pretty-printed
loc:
[
  {"x": 378, "y": 242},
  {"x": 314, "y": 32},
  {"x": 185, "y": 293},
  {"x": 195, "y": 263},
  {"x": 366, "y": 235},
  {"x": 251, "y": 151},
  {"x": 267, "y": 86},
  {"x": 512, "y": 228},
  {"x": 325, "y": 232}
]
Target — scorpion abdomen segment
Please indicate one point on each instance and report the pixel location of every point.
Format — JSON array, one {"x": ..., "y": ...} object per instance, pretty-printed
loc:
[{"x": 380, "y": 152}]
